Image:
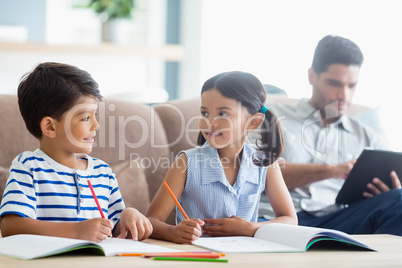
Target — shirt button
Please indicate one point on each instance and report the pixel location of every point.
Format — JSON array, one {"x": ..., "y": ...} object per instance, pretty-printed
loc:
[
  {"x": 81, "y": 188},
  {"x": 81, "y": 200},
  {"x": 78, "y": 178}
]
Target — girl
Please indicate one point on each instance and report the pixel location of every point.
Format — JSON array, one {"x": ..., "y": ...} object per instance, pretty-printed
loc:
[{"x": 220, "y": 182}]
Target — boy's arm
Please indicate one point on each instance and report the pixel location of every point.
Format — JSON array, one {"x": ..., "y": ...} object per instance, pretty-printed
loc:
[{"x": 94, "y": 230}]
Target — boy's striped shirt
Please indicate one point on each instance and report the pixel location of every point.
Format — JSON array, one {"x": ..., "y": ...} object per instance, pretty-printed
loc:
[{"x": 40, "y": 188}]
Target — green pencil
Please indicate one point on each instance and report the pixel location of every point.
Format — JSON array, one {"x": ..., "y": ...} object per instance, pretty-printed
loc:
[{"x": 187, "y": 259}]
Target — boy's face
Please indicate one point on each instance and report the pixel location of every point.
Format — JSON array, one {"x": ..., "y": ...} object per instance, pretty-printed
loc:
[{"x": 77, "y": 128}]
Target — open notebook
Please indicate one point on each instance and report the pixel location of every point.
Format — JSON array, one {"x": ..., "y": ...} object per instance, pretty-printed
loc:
[
  {"x": 28, "y": 247},
  {"x": 276, "y": 237}
]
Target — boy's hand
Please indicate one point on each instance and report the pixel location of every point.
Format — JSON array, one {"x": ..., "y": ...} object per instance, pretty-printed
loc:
[
  {"x": 187, "y": 231},
  {"x": 96, "y": 229},
  {"x": 233, "y": 226},
  {"x": 135, "y": 222}
]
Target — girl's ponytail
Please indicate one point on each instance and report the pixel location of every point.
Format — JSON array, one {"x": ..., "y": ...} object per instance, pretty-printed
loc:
[{"x": 271, "y": 142}]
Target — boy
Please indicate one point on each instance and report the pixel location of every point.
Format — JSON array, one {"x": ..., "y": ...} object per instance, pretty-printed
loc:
[{"x": 47, "y": 190}]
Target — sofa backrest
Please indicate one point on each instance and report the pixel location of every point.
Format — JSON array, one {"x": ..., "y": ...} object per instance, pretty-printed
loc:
[
  {"x": 180, "y": 120},
  {"x": 133, "y": 133},
  {"x": 14, "y": 136},
  {"x": 138, "y": 141}
]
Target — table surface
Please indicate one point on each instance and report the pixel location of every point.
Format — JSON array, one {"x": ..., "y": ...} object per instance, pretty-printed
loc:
[{"x": 388, "y": 254}]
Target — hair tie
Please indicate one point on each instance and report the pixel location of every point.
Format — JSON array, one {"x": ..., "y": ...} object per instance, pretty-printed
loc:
[{"x": 264, "y": 109}]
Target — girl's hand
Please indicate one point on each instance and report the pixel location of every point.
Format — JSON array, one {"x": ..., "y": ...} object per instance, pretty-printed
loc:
[
  {"x": 132, "y": 220},
  {"x": 233, "y": 226},
  {"x": 96, "y": 230},
  {"x": 187, "y": 231}
]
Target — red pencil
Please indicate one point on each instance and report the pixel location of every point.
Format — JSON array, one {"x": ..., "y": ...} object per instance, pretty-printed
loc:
[
  {"x": 186, "y": 254},
  {"x": 175, "y": 200},
  {"x": 96, "y": 199},
  {"x": 206, "y": 254}
]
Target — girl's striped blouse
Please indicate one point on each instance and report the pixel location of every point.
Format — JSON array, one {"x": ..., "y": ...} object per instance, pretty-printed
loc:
[
  {"x": 40, "y": 188},
  {"x": 207, "y": 193}
]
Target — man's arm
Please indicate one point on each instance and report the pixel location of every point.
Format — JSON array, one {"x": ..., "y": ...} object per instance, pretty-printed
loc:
[{"x": 297, "y": 175}]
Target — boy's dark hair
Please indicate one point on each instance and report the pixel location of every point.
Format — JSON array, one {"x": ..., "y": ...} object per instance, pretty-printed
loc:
[
  {"x": 51, "y": 89},
  {"x": 336, "y": 49},
  {"x": 248, "y": 90}
]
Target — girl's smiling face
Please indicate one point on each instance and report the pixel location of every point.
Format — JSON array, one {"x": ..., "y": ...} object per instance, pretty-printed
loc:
[{"x": 223, "y": 120}]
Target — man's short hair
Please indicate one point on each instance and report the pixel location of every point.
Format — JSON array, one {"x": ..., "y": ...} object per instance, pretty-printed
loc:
[
  {"x": 336, "y": 49},
  {"x": 52, "y": 89}
]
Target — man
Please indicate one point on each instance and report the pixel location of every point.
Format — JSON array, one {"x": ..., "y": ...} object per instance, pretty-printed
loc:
[{"x": 322, "y": 144}]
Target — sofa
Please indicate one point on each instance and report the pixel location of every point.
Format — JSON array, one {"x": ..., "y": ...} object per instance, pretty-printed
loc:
[{"x": 138, "y": 141}]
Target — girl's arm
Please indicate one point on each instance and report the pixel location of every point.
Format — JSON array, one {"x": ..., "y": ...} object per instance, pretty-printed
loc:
[
  {"x": 279, "y": 196},
  {"x": 96, "y": 230},
  {"x": 163, "y": 204}
]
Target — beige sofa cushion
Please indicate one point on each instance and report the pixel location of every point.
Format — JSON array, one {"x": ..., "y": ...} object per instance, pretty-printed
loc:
[
  {"x": 3, "y": 180},
  {"x": 133, "y": 185},
  {"x": 355, "y": 109},
  {"x": 14, "y": 136},
  {"x": 127, "y": 129},
  {"x": 180, "y": 119},
  {"x": 132, "y": 132}
]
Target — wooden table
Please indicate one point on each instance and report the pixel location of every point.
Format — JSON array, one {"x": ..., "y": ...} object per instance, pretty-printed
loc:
[{"x": 389, "y": 254}]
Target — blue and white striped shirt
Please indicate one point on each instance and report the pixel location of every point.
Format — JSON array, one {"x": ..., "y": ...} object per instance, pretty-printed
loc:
[
  {"x": 208, "y": 194},
  {"x": 40, "y": 188}
]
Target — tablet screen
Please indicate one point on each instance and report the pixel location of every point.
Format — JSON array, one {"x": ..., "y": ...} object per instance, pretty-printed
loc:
[{"x": 370, "y": 164}]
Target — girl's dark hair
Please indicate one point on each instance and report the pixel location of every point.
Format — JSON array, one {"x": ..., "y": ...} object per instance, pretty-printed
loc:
[
  {"x": 248, "y": 90},
  {"x": 51, "y": 89}
]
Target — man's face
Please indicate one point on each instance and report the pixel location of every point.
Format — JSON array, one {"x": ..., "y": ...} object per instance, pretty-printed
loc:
[{"x": 335, "y": 88}]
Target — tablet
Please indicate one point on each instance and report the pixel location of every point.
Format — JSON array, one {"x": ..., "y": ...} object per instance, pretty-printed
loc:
[{"x": 370, "y": 164}]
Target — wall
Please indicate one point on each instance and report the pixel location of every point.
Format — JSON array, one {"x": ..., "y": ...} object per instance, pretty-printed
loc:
[
  {"x": 56, "y": 23},
  {"x": 31, "y": 14}
]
